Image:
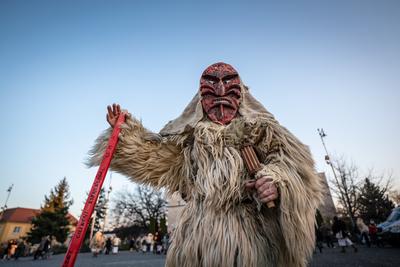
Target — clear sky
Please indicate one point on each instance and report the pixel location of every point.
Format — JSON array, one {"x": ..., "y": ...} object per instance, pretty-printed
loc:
[{"x": 330, "y": 64}]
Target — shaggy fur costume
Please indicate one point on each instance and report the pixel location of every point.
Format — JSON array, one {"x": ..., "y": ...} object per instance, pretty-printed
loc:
[{"x": 221, "y": 225}]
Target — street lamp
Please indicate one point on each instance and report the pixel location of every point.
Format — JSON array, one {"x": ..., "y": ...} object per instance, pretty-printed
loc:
[
  {"x": 5, "y": 203},
  {"x": 8, "y": 196},
  {"x": 328, "y": 161}
]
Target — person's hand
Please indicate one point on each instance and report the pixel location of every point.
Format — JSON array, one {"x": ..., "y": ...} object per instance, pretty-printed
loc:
[
  {"x": 113, "y": 114},
  {"x": 266, "y": 189}
]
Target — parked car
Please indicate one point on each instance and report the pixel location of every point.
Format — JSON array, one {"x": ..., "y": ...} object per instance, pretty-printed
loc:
[{"x": 389, "y": 230}]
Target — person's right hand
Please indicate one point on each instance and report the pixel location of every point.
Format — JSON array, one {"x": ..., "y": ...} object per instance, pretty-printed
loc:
[{"x": 113, "y": 114}]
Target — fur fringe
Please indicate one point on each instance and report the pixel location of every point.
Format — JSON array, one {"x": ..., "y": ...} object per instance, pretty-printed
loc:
[{"x": 144, "y": 157}]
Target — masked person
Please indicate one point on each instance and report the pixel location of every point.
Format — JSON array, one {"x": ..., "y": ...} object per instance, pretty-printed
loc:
[
  {"x": 97, "y": 243},
  {"x": 199, "y": 155}
]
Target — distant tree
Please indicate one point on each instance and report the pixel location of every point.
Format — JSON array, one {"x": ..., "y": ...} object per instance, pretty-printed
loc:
[
  {"x": 345, "y": 187},
  {"x": 124, "y": 232},
  {"x": 145, "y": 208},
  {"x": 53, "y": 217},
  {"x": 374, "y": 202},
  {"x": 394, "y": 195},
  {"x": 163, "y": 225}
]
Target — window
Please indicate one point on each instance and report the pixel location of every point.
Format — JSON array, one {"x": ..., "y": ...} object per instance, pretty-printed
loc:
[{"x": 17, "y": 229}]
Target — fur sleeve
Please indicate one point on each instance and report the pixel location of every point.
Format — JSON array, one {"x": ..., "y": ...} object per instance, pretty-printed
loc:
[
  {"x": 143, "y": 156},
  {"x": 290, "y": 164}
]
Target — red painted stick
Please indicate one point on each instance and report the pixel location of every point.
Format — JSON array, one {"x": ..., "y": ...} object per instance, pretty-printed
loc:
[{"x": 77, "y": 239}]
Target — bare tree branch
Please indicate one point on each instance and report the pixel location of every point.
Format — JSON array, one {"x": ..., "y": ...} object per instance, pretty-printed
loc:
[
  {"x": 138, "y": 207},
  {"x": 346, "y": 185}
]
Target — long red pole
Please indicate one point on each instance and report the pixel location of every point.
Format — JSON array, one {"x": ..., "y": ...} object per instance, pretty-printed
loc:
[{"x": 77, "y": 239}]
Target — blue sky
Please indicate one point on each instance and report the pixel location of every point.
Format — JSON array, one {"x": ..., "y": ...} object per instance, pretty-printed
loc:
[{"x": 330, "y": 64}]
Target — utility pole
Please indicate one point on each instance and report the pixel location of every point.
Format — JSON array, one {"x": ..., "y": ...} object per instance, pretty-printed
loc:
[
  {"x": 8, "y": 196},
  {"x": 5, "y": 204},
  {"x": 327, "y": 157},
  {"x": 329, "y": 162}
]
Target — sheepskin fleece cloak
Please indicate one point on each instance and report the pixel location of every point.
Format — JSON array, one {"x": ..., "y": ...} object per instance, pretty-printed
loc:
[{"x": 220, "y": 225}]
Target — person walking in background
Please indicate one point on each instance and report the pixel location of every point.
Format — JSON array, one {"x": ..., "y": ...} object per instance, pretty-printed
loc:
[
  {"x": 327, "y": 235},
  {"x": 165, "y": 243},
  {"x": 97, "y": 243},
  {"x": 3, "y": 250},
  {"x": 11, "y": 249},
  {"x": 108, "y": 245},
  {"x": 159, "y": 244},
  {"x": 46, "y": 248},
  {"x": 8, "y": 250},
  {"x": 39, "y": 251},
  {"x": 318, "y": 238},
  {"x": 340, "y": 230},
  {"x": 364, "y": 231},
  {"x": 156, "y": 241},
  {"x": 373, "y": 233},
  {"x": 143, "y": 241},
  {"x": 116, "y": 242},
  {"x": 131, "y": 244},
  {"x": 138, "y": 243},
  {"x": 149, "y": 241},
  {"x": 19, "y": 250}
]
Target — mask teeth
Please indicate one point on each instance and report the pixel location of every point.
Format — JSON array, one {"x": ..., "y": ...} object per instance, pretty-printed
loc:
[{"x": 222, "y": 111}]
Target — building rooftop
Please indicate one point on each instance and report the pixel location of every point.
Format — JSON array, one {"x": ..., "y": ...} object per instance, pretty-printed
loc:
[{"x": 25, "y": 215}]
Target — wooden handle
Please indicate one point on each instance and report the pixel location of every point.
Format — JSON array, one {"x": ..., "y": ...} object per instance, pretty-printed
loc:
[{"x": 253, "y": 165}]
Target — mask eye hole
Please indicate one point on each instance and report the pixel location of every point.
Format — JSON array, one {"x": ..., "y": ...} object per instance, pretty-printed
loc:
[
  {"x": 211, "y": 79},
  {"x": 229, "y": 78}
]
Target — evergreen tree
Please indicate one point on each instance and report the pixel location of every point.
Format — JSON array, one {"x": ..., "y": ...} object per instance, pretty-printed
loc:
[
  {"x": 374, "y": 202},
  {"x": 163, "y": 225},
  {"x": 53, "y": 217},
  {"x": 101, "y": 209}
]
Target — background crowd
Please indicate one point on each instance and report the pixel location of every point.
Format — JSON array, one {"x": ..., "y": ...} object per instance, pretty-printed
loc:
[{"x": 110, "y": 243}]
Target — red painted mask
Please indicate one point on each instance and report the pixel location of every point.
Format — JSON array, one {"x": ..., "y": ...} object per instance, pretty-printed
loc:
[{"x": 220, "y": 93}]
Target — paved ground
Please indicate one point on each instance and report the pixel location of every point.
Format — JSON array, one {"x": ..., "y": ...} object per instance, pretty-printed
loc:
[
  {"x": 365, "y": 257},
  {"x": 123, "y": 259},
  {"x": 372, "y": 257}
]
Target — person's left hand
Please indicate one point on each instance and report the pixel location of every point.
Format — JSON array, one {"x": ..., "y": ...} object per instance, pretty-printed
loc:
[{"x": 266, "y": 189}]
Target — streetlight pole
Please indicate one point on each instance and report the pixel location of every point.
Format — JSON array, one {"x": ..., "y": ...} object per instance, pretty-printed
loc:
[
  {"x": 328, "y": 161},
  {"x": 8, "y": 196},
  {"x": 5, "y": 203},
  {"x": 327, "y": 157}
]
